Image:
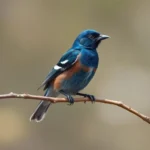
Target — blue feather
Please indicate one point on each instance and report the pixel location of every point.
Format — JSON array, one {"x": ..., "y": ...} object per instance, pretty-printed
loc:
[
  {"x": 84, "y": 46},
  {"x": 71, "y": 56}
]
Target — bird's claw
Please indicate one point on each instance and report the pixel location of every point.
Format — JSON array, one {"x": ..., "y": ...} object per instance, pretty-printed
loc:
[
  {"x": 68, "y": 96},
  {"x": 91, "y": 97},
  {"x": 70, "y": 100}
]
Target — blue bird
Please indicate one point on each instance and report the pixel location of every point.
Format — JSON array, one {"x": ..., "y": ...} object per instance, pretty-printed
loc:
[{"x": 73, "y": 72}]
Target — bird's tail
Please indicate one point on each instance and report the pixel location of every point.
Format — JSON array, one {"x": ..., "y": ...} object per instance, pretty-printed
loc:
[
  {"x": 41, "y": 109},
  {"x": 40, "y": 112}
]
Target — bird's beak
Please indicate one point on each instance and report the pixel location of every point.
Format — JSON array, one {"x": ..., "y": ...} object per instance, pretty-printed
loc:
[{"x": 103, "y": 37}]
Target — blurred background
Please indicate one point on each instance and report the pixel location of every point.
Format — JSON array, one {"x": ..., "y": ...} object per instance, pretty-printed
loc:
[{"x": 33, "y": 36}]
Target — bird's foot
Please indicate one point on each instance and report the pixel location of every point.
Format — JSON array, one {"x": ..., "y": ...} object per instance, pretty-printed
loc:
[
  {"x": 91, "y": 97},
  {"x": 69, "y": 97}
]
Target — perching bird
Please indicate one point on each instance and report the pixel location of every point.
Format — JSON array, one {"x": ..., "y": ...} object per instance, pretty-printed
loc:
[{"x": 73, "y": 72}]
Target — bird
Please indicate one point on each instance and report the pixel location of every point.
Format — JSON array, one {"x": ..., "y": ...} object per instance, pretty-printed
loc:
[{"x": 73, "y": 72}]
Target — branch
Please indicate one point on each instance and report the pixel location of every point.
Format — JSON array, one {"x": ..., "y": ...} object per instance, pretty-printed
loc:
[{"x": 62, "y": 100}]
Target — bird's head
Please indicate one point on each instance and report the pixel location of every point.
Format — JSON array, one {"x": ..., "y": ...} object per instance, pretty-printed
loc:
[{"x": 89, "y": 39}]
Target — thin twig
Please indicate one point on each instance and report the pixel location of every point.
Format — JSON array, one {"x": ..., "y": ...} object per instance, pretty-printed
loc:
[{"x": 62, "y": 100}]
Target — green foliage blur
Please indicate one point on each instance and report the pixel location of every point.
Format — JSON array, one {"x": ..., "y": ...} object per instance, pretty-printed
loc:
[{"x": 33, "y": 36}]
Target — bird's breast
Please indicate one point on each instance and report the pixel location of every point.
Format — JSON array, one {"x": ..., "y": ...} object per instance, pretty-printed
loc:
[{"x": 89, "y": 58}]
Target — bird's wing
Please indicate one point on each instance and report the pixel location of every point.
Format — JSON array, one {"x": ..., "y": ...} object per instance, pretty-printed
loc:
[{"x": 66, "y": 61}]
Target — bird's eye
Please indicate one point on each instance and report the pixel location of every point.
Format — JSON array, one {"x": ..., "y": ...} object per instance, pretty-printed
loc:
[{"x": 91, "y": 37}]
